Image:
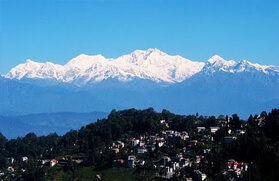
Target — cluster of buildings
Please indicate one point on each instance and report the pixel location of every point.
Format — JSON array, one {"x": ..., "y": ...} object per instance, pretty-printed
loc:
[
  {"x": 12, "y": 162},
  {"x": 235, "y": 168},
  {"x": 131, "y": 162},
  {"x": 171, "y": 165},
  {"x": 10, "y": 171},
  {"x": 148, "y": 144}
]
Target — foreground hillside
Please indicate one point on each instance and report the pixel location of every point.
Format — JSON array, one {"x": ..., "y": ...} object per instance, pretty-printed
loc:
[{"x": 146, "y": 145}]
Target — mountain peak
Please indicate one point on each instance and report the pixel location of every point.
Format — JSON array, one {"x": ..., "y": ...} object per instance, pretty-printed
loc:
[
  {"x": 28, "y": 61},
  {"x": 85, "y": 56},
  {"x": 245, "y": 62},
  {"x": 84, "y": 61},
  {"x": 215, "y": 58},
  {"x": 218, "y": 61},
  {"x": 156, "y": 51},
  {"x": 148, "y": 52}
]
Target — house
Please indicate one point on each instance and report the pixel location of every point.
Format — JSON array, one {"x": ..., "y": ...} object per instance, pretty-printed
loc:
[
  {"x": 206, "y": 138},
  {"x": 131, "y": 161},
  {"x": 135, "y": 142},
  {"x": 203, "y": 176},
  {"x": 198, "y": 159},
  {"x": 141, "y": 150},
  {"x": 230, "y": 164},
  {"x": 22, "y": 170},
  {"x": 44, "y": 161},
  {"x": 164, "y": 123},
  {"x": 25, "y": 159},
  {"x": 169, "y": 132},
  {"x": 174, "y": 165},
  {"x": 161, "y": 143},
  {"x": 184, "y": 135},
  {"x": 184, "y": 162},
  {"x": 165, "y": 160},
  {"x": 118, "y": 144},
  {"x": 78, "y": 161},
  {"x": 206, "y": 151},
  {"x": 200, "y": 129},
  {"x": 168, "y": 172},
  {"x": 141, "y": 138},
  {"x": 214, "y": 129},
  {"x": 237, "y": 166},
  {"x": 141, "y": 143},
  {"x": 239, "y": 132},
  {"x": 121, "y": 144},
  {"x": 10, "y": 160},
  {"x": 115, "y": 150},
  {"x": 131, "y": 157},
  {"x": 53, "y": 162},
  {"x": 192, "y": 143},
  {"x": 10, "y": 169},
  {"x": 140, "y": 162},
  {"x": 200, "y": 175}
]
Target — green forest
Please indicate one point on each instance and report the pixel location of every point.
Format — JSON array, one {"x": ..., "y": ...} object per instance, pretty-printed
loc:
[{"x": 87, "y": 154}]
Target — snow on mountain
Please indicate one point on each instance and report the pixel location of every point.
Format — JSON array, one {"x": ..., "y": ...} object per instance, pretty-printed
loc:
[
  {"x": 33, "y": 70},
  {"x": 131, "y": 81},
  {"x": 245, "y": 65},
  {"x": 158, "y": 66},
  {"x": 151, "y": 64},
  {"x": 217, "y": 63}
]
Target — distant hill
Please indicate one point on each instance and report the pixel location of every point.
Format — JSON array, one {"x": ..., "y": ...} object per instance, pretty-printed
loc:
[{"x": 46, "y": 123}]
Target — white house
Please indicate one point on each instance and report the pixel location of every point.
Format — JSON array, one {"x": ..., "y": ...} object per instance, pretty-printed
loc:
[
  {"x": 135, "y": 142},
  {"x": 141, "y": 150},
  {"x": 199, "y": 129},
  {"x": 214, "y": 129},
  {"x": 10, "y": 169},
  {"x": 25, "y": 159},
  {"x": 131, "y": 161},
  {"x": 53, "y": 162}
]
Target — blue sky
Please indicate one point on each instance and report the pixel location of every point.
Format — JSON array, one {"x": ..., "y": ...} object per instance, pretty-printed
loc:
[{"x": 56, "y": 31}]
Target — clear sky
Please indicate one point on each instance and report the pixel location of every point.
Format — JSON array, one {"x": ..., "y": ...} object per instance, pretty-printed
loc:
[{"x": 58, "y": 30}]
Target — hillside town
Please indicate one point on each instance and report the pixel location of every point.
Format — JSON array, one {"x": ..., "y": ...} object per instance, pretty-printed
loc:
[
  {"x": 206, "y": 148},
  {"x": 171, "y": 165}
]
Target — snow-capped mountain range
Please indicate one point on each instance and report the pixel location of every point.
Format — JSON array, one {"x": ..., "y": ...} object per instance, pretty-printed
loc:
[
  {"x": 150, "y": 64},
  {"x": 142, "y": 79}
]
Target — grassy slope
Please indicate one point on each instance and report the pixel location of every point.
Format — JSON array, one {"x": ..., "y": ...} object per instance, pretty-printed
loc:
[{"x": 113, "y": 174}]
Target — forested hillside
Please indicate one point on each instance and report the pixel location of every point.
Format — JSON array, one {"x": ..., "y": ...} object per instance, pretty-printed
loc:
[{"x": 102, "y": 149}]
